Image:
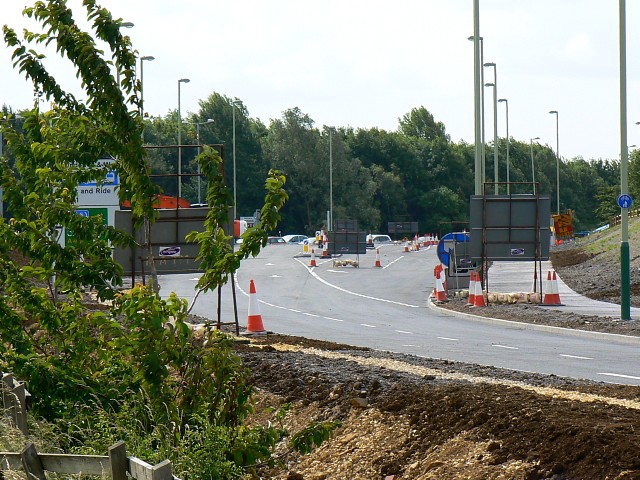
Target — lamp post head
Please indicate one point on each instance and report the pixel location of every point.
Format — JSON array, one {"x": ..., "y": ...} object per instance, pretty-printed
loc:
[
  {"x": 536, "y": 138},
  {"x": 503, "y": 100},
  {"x": 209, "y": 120},
  {"x": 490, "y": 64},
  {"x": 472, "y": 38},
  {"x": 489, "y": 84},
  {"x": 148, "y": 58},
  {"x": 553, "y": 111},
  {"x": 184, "y": 80},
  {"x": 126, "y": 25}
]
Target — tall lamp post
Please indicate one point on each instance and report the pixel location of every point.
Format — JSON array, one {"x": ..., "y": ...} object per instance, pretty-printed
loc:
[
  {"x": 182, "y": 80},
  {"x": 146, "y": 58},
  {"x": 506, "y": 104},
  {"x": 234, "y": 104},
  {"x": 555, "y": 112},
  {"x": 483, "y": 163},
  {"x": 197, "y": 124},
  {"x": 330, "y": 180},
  {"x": 122, "y": 25},
  {"x": 495, "y": 123},
  {"x": 533, "y": 168}
]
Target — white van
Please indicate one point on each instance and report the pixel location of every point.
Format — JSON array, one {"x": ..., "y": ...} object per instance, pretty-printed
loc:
[{"x": 377, "y": 240}]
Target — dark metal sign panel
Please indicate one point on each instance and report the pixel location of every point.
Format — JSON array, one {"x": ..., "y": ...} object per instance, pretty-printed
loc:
[
  {"x": 402, "y": 227},
  {"x": 510, "y": 227},
  {"x": 347, "y": 243},
  {"x": 345, "y": 225}
]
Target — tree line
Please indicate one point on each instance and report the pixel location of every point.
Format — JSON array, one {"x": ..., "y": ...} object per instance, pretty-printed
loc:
[{"x": 414, "y": 174}]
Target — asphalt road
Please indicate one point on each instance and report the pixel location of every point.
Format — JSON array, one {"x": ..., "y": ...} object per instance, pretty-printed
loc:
[{"x": 387, "y": 308}]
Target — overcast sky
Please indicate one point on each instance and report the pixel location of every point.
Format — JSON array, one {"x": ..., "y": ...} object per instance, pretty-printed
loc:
[{"x": 365, "y": 63}]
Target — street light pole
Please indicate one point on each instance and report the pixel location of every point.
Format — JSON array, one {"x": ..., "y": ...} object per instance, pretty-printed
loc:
[
  {"x": 506, "y": 104},
  {"x": 233, "y": 114},
  {"x": 495, "y": 124},
  {"x": 555, "y": 112},
  {"x": 625, "y": 267},
  {"x": 330, "y": 181},
  {"x": 182, "y": 80},
  {"x": 147, "y": 58},
  {"x": 533, "y": 169},
  {"x": 197, "y": 124},
  {"x": 122, "y": 25},
  {"x": 482, "y": 149}
]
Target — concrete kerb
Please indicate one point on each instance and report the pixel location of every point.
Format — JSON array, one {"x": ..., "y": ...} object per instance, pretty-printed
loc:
[{"x": 624, "y": 339}]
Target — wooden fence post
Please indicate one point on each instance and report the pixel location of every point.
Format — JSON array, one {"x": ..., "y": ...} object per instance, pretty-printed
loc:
[
  {"x": 118, "y": 459},
  {"x": 31, "y": 463}
]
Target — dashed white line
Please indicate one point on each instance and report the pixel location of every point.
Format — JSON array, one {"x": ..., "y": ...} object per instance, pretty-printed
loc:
[
  {"x": 334, "y": 319},
  {"x": 404, "y": 331},
  {"x": 367, "y": 325},
  {"x": 497, "y": 345},
  {"x": 620, "y": 375},
  {"x": 449, "y": 339},
  {"x": 293, "y": 310},
  {"x": 310, "y": 314},
  {"x": 576, "y": 356}
]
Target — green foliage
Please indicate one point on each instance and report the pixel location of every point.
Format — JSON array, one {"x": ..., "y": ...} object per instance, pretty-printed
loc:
[{"x": 313, "y": 436}]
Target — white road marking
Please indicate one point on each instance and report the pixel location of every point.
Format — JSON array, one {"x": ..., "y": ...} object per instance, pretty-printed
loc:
[
  {"x": 576, "y": 356},
  {"x": 497, "y": 345},
  {"x": 408, "y": 345},
  {"x": 620, "y": 375},
  {"x": 195, "y": 278},
  {"x": 448, "y": 338},
  {"x": 334, "y": 319},
  {"x": 270, "y": 264},
  {"x": 394, "y": 261},
  {"x": 404, "y": 331},
  {"x": 276, "y": 276},
  {"x": 367, "y": 325},
  {"x": 336, "y": 271},
  {"x": 314, "y": 274},
  {"x": 293, "y": 310},
  {"x": 310, "y": 314}
]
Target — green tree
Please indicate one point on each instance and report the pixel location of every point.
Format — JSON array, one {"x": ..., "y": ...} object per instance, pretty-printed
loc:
[{"x": 419, "y": 123}]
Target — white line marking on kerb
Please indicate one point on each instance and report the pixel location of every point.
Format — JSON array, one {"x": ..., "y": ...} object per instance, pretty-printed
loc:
[
  {"x": 504, "y": 346},
  {"x": 448, "y": 338},
  {"x": 576, "y": 356},
  {"x": 620, "y": 375}
]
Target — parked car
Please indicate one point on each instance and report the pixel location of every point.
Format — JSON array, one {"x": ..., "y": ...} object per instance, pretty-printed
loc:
[
  {"x": 294, "y": 238},
  {"x": 276, "y": 241},
  {"x": 377, "y": 240}
]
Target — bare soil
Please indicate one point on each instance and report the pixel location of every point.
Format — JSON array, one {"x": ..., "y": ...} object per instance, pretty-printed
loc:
[{"x": 406, "y": 417}]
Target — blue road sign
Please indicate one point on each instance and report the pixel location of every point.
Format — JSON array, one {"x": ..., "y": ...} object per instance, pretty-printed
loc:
[{"x": 625, "y": 201}]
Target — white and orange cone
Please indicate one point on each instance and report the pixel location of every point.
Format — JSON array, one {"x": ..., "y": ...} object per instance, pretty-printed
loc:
[
  {"x": 441, "y": 293},
  {"x": 313, "y": 258},
  {"x": 378, "y": 264},
  {"x": 472, "y": 289},
  {"x": 325, "y": 246},
  {"x": 478, "y": 298},
  {"x": 254, "y": 319},
  {"x": 406, "y": 246},
  {"x": 548, "y": 298}
]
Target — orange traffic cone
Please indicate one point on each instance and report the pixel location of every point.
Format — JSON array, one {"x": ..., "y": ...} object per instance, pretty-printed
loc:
[
  {"x": 378, "y": 264},
  {"x": 254, "y": 319},
  {"x": 406, "y": 246},
  {"x": 425, "y": 241},
  {"x": 325, "y": 246},
  {"x": 441, "y": 293},
  {"x": 548, "y": 298},
  {"x": 556, "y": 292},
  {"x": 313, "y": 258},
  {"x": 478, "y": 298},
  {"x": 472, "y": 289}
]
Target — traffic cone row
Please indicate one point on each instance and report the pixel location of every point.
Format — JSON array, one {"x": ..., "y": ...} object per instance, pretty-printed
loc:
[{"x": 551, "y": 293}]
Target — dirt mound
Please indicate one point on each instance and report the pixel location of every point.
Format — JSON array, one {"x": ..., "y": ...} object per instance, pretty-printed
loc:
[{"x": 431, "y": 419}]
